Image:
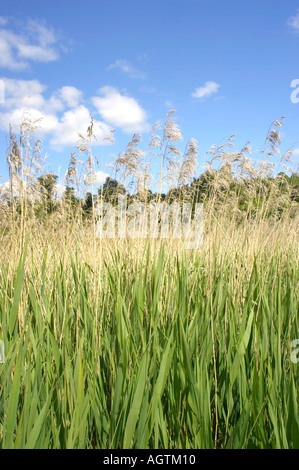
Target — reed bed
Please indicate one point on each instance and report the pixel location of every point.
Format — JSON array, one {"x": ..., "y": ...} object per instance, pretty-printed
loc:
[
  {"x": 168, "y": 349},
  {"x": 144, "y": 344}
]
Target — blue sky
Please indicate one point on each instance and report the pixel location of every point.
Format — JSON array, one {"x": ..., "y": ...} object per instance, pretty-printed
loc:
[{"x": 226, "y": 66}]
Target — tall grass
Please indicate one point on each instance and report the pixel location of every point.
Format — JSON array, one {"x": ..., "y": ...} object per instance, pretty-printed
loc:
[
  {"x": 174, "y": 351},
  {"x": 143, "y": 344}
]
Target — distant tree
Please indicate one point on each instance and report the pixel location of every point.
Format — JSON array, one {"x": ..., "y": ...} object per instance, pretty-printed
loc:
[
  {"x": 87, "y": 203},
  {"x": 294, "y": 183},
  {"x": 48, "y": 182},
  {"x": 70, "y": 198},
  {"x": 201, "y": 187},
  {"x": 110, "y": 190}
]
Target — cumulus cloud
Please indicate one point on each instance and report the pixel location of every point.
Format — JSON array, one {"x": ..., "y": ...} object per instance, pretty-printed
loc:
[
  {"x": 47, "y": 122},
  {"x": 63, "y": 114},
  {"x": 73, "y": 122},
  {"x": 27, "y": 97},
  {"x": 33, "y": 42},
  {"x": 126, "y": 68},
  {"x": 208, "y": 89},
  {"x": 19, "y": 93},
  {"x": 70, "y": 95},
  {"x": 120, "y": 110}
]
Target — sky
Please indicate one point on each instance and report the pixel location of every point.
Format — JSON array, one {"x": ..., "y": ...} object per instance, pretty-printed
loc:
[{"x": 226, "y": 67}]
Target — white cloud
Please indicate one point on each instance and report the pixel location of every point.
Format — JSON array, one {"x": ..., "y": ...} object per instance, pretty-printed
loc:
[
  {"x": 127, "y": 68},
  {"x": 44, "y": 35},
  {"x": 63, "y": 114},
  {"x": 19, "y": 93},
  {"x": 33, "y": 42},
  {"x": 27, "y": 97},
  {"x": 7, "y": 59},
  {"x": 72, "y": 123},
  {"x": 101, "y": 177},
  {"x": 120, "y": 110},
  {"x": 293, "y": 21},
  {"x": 208, "y": 89},
  {"x": 70, "y": 95},
  {"x": 48, "y": 122},
  {"x": 36, "y": 53}
]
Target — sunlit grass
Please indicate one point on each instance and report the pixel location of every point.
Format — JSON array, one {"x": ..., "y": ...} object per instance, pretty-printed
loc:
[
  {"x": 166, "y": 350},
  {"x": 131, "y": 343}
]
